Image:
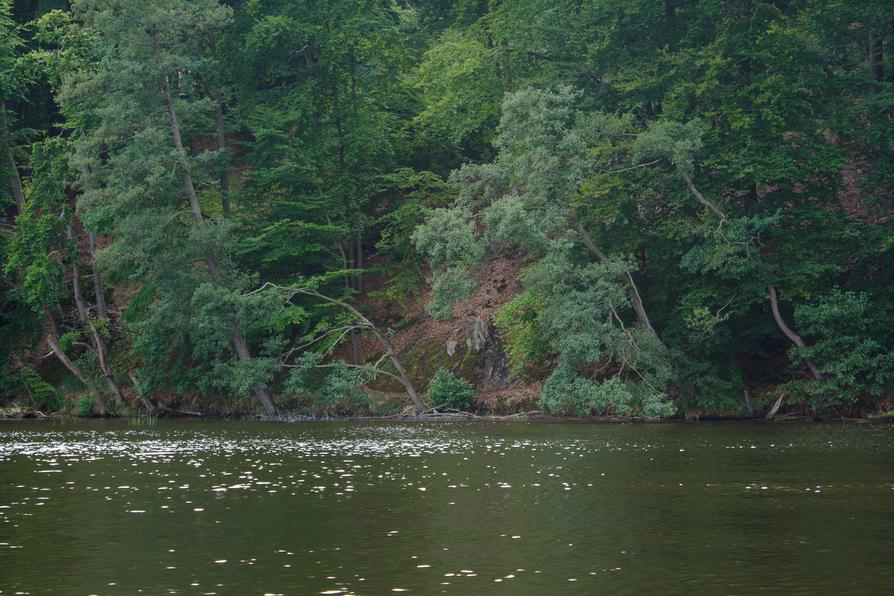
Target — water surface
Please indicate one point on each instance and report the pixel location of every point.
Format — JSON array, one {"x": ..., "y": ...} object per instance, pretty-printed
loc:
[{"x": 459, "y": 508}]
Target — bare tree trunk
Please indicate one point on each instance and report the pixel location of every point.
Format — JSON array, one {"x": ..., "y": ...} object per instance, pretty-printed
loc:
[
  {"x": 112, "y": 384},
  {"x": 355, "y": 348},
  {"x": 775, "y": 409},
  {"x": 876, "y": 57},
  {"x": 260, "y": 392},
  {"x": 136, "y": 385},
  {"x": 748, "y": 406},
  {"x": 97, "y": 279},
  {"x": 83, "y": 312},
  {"x": 15, "y": 183},
  {"x": 358, "y": 285},
  {"x": 632, "y": 291},
  {"x": 186, "y": 176},
  {"x": 507, "y": 65},
  {"x": 789, "y": 333},
  {"x": 351, "y": 284},
  {"x": 498, "y": 75},
  {"x": 96, "y": 341},
  {"x": 353, "y": 70},
  {"x": 101, "y": 353},
  {"x": 222, "y": 145},
  {"x": 53, "y": 342},
  {"x": 418, "y": 405},
  {"x": 359, "y": 256},
  {"x": 700, "y": 197}
]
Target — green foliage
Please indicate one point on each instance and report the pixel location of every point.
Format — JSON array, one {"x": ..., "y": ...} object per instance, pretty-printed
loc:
[
  {"x": 730, "y": 250},
  {"x": 708, "y": 385},
  {"x": 410, "y": 193},
  {"x": 448, "y": 237},
  {"x": 39, "y": 394},
  {"x": 570, "y": 394},
  {"x": 672, "y": 141},
  {"x": 86, "y": 407},
  {"x": 446, "y": 390},
  {"x": 404, "y": 285},
  {"x": 459, "y": 93},
  {"x": 33, "y": 250},
  {"x": 328, "y": 387},
  {"x": 652, "y": 165},
  {"x": 523, "y": 337},
  {"x": 582, "y": 322},
  {"x": 524, "y": 199},
  {"x": 846, "y": 344},
  {"x": 449, "y": 241},
  {"x": 447, "y": 287}
]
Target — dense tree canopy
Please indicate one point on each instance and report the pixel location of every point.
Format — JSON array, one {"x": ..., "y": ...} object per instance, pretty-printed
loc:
[{"x": 215, "y": 199}]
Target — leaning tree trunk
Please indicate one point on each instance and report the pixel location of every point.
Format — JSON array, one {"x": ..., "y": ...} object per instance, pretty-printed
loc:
[
  {"x": 150, "y": 408},
  {"x": 402, "y": 375},
  {"x": 876, "y": 57},
  {"x": 789, "y": 333},
  {"x": 749, "y": 407},
  {"x": 56, "y": 346},
  {"x": 222, "y": 146},
  {"x": 237, "y": 336},
  {"x": 53, "y": 342},
  {"x": 97, "y": 279},
  {"x": 260, "y": 391},
  {"x": 96, "y": 340},
  {"x": 104, "y": 366},
  {"x": 83, "y": 313},
  {"x": 632, "y": 291},
  {"x": 15, "y": 183},
  {"x": 775, "y": 409},
  {"x": 700, "y": 197},
  {"x": 774, "y": 302},
  {"x": 418, "y": 404}
]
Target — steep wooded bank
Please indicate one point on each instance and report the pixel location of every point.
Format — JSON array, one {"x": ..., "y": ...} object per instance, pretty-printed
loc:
[{"x": 589, "y": 207}]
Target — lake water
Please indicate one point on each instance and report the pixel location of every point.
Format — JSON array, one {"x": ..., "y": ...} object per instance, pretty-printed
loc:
[{"x": 106, "y": 507}]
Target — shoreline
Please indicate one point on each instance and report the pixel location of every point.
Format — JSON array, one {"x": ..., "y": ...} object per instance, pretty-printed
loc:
[{"x": 14, "y": 413}]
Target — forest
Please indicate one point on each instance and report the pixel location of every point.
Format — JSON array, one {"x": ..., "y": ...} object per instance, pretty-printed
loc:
[{"x": 318, "y": 208}]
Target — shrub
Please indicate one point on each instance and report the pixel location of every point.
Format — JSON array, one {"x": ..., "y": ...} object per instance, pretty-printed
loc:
[
  {"x": 329, "y": 388},
  {"x": 86, "y": 406},
  {"x": 567, "y": 393},
  {"x": 845, "y": 338},
  {"x": 446, "y": 390},
  {"x": 523, "y": 337},
  {"x": 42, "y": 395}
]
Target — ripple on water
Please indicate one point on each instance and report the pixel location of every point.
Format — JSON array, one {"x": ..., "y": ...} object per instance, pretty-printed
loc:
[{"x": 500, "y": 488}]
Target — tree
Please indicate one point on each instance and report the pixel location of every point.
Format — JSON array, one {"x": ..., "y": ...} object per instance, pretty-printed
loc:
[
  {"x": 526, "y": 200},
  {"x": 697, "y": 193},
  {"x": 146, "y": 106},
  {"x": 12, "y": 83},
  {"x": 359, "y": 322}
]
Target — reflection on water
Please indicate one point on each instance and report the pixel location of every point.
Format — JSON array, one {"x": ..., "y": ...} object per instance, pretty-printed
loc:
[{"x": 374, "y": 507}]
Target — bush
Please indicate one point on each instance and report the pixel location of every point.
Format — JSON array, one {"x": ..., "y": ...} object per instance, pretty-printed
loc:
[
  {"x": 845, "y": 338},
  {"x": 569, "y": 394},
  {"x": 446, "y": 390},
  {"x": 41, "y": 395},
  {"x": 86, "y": 406},
  {"x": 524, "y": 339},
  {"x": 329, "y": 389}
]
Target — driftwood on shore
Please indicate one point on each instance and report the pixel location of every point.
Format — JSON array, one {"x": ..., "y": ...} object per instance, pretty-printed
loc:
[{"x": 448, "y": 414}]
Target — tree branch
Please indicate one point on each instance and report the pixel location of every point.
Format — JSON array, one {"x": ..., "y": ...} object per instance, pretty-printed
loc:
[{"x": 789, "y": 332}]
